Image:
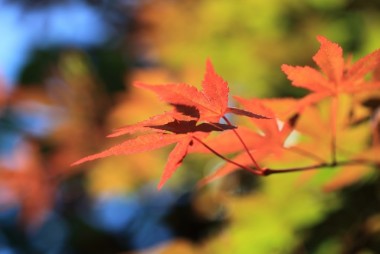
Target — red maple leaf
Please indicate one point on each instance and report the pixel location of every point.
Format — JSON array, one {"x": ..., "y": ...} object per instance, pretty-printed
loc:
[
  {"x": 195, "y": 114},
  {"x": 211, "y": 101},
  {"x": 184, "y": 133},
  {"x": 337, "y": 77},
  {"x": 161, "y": 119}
]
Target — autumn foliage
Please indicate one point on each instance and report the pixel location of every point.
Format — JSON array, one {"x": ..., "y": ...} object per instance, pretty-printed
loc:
[{"x": 270, "y": 136}]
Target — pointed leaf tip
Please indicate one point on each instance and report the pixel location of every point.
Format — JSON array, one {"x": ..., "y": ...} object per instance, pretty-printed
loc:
[
  {"x": 136, "y": 145},
  {"x": 284, "y": 67},
  {"x": 215, "y": 89},
  {"x": 330, "y": 59},
  {"x": 243, "y": 112},
  {"x": 287, "y": 69},
  {"x": 322, "y": 39},
  {"x": 209, "y": 65},
  {"x": 175, "y": 159}
]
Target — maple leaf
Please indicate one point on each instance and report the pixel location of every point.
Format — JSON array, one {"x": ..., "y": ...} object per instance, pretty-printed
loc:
[
  {"x": 268, "y": 139},
  {"x": 353, "y": 158},
  {"x": 180, "y": 125},
  {"x": 227, "y": 143},
  {"x": 184, "y": 133},
  {"x": 135, "y": 145},
  {"x": 211, "y": 101},
  {"x": 175, "y": 159},
  {"x": 180, "y": 114},
  {"x": 273, "y": 134},
  {"x": 147, "y": 143},
  {"x": 349, "y": 174},
  {"x": 337, "y": 77}
]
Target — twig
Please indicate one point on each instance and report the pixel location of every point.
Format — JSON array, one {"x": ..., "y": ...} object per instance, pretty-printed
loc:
[{"x": 270, "y": 171}]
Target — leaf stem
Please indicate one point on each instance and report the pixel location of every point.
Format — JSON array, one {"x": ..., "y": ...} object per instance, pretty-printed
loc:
[
  {"x": 256, "y": 172},
  {"x": 244, "y": 145}
]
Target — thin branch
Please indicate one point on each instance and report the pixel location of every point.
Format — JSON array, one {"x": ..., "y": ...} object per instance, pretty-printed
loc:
[
  {"x": 244, "y": 145},
  {"x": 256, "y": 172},
  {"x": 270, "y": 171}
]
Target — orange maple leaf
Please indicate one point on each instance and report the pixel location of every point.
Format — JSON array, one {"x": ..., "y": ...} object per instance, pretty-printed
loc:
[
  {"x": 337, "y": 77},
  {"x": 268, "y": 139}
]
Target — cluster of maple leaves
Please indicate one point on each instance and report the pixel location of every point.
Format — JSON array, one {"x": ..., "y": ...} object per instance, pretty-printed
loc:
[{"x": 197, "y": 113}]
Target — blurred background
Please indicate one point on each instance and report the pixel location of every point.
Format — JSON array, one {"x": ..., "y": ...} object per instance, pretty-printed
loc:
[{"x": 66, "y": 69}]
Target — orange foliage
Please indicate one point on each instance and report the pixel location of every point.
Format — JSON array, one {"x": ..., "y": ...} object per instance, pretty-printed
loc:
[
  {"x": 322, "y": 119},
  {"x": 336, "y": 127}
]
